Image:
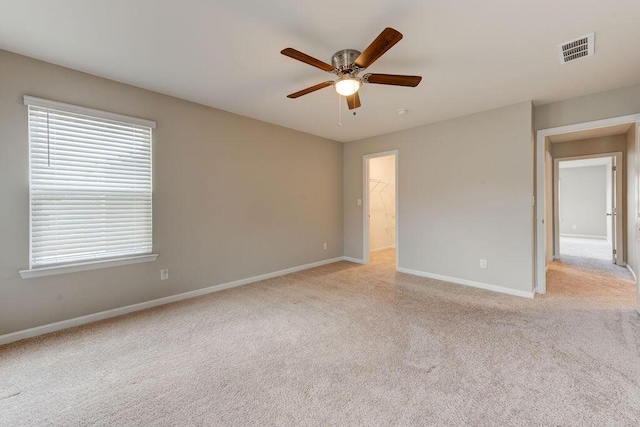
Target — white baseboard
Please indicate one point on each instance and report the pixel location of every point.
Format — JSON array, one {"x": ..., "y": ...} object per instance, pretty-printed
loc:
[
  {"x": 584, "y": 236},
  {"x": 77, "y": 321},
  {"x": 382, "y": 249},
  {"x": 635, "y": 278},
  {"x": 486, "y": 286},
  {"x": 356, "y": 260}
]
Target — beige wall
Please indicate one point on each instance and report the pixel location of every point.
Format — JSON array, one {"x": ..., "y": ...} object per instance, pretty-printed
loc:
[
  {"x": 465, "y": 188},
  {"x": 583, "y": 201},
  {"x": 382, "y": 202},
  {"x": 233, "y": 198},
  {"x": 605, "y": 144},
  {"x": 603, "y": 105}
]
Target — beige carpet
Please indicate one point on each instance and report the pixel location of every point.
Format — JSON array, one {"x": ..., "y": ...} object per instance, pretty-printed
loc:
[
  {"x": 584, "y": 247},
  {"x": 337, "y": 345},
  {"x": 586, "y": 271}
]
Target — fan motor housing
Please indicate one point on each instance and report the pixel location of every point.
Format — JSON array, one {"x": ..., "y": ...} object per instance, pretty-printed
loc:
[{"x": 343, "y": 60}]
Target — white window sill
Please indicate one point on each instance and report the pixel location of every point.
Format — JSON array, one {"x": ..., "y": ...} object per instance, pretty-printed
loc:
[{"x": 83, "y": 266}]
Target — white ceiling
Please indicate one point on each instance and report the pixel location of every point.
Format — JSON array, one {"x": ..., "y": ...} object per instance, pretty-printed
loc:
[{"x": 473, "y": 55}]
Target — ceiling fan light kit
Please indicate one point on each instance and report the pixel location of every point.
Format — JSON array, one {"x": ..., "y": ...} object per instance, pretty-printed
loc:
[
  {"x": 348, "y": 63},
  {"x": 347, "y": 86}
]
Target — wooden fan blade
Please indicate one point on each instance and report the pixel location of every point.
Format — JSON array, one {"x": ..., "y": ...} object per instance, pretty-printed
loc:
[
  {"x": 385, "y": 41},
  {"x": 303, "y": 57},
  {"x": 353, "y": 101},
  {"x": 310, "y": 89},
  {"x": 393, "y": 79}
]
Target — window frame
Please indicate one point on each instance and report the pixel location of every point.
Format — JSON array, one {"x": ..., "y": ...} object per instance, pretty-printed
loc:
[{"x": 92, "y": 263}]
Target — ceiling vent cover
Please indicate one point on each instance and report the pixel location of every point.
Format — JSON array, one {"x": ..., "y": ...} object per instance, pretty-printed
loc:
[{"x": 576, "y": 48}]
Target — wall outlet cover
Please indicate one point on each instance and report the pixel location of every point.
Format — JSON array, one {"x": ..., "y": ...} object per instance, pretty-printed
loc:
[{"x": 164, "y": 274}]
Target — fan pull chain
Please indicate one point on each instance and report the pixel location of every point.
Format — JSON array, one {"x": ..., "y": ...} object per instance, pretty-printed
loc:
[{"x": 339, "y": 110}]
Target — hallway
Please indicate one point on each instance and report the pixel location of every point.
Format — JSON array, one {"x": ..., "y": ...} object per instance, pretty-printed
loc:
[{"x": 585, "y": 269}]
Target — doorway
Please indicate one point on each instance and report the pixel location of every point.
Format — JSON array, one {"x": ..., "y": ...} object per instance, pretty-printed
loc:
[
  {"x": 380, "y": 208},
  {"x": 601, "y": 137},
  {"x": 587, "y": 205}
]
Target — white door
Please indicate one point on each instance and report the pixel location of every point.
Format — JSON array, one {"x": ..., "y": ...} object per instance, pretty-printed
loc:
[
  {"x": 548, "y": 216},
  {"x": 637, "y": 202},
  {"x": 617, "y": 214},
  {"x": 614, "y": 211}
]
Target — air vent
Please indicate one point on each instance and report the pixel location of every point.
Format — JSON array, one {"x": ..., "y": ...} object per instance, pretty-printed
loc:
[{"x": 576, "y": 48}]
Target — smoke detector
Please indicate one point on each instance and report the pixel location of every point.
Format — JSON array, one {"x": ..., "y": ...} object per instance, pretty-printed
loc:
[{"x": 577, "y": 48}]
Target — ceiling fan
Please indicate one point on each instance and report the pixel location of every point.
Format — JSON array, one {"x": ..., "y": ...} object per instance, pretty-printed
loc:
[{"x": 348, "y": 63}]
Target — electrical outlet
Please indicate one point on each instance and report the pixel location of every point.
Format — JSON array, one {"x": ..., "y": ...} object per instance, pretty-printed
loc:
[
  {"x": 164, "y": 274},
  {"x": 359, "y": 202},
  {"x": 574, "y": 226},
  {"x": 483, "y": 263},
  {"x": 324, "y": 246}
]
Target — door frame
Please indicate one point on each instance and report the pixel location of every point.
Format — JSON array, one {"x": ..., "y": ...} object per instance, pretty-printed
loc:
[
  {"x": 541, "y": 135},
  {"x": 621, "y": 215},
  {"x": 365, "y": 204},
  {"x": 550, "y": 228}
]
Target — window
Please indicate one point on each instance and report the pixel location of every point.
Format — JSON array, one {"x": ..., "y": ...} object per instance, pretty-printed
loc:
[{"x": 90, "y": 185}]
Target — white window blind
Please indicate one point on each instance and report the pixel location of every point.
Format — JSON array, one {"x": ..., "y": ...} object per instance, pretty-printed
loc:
[{"x": 90, "y": 184}]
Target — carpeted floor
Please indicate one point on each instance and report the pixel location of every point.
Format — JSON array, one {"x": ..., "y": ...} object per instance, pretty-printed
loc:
[
  {"x": 584, "y": 247},
  {"x": 341, "y": 344},
  {"x": 586, "y": 270}
]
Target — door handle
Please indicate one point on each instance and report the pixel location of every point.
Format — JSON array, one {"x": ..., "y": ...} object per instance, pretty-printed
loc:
[{"x": 608, "y": 214}]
